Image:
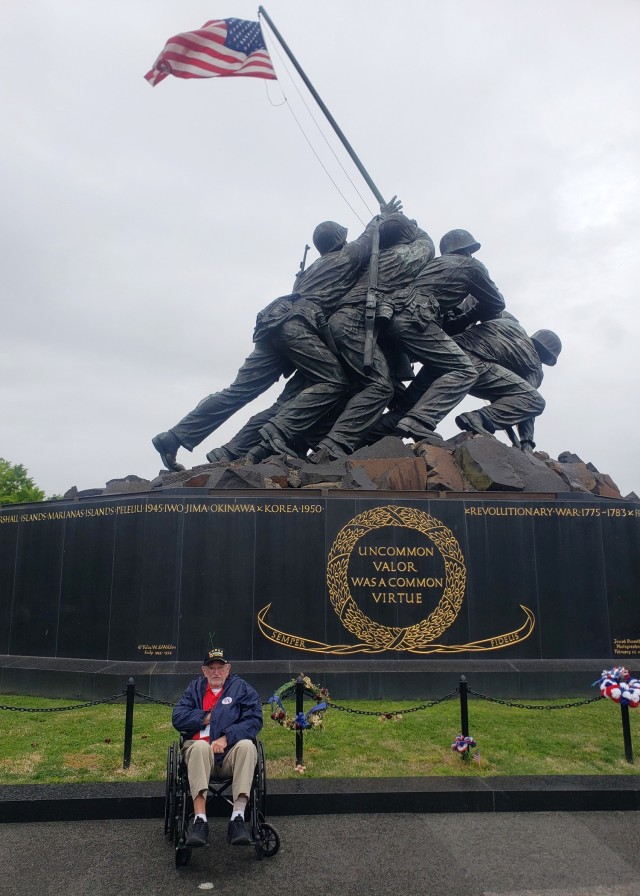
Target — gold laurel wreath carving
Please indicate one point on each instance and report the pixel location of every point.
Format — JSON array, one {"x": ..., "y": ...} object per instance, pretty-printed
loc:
[{"x": 382, "y": 637}]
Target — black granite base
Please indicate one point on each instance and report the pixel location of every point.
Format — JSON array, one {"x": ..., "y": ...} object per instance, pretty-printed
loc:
[
  {"x": 78, "y": 802},
  {"x": 419, "y": 679}
]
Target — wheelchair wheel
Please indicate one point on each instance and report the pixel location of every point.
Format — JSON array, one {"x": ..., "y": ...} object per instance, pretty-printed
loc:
[
  {"x": 182, "y": 852},
  {"x": 260, "y": 781},
  {"x": 170, "y": 790},
  {"x": 183, "y": 857},
  {"x": 180, "y": 816},
  {"x": 267, "y": 842}
]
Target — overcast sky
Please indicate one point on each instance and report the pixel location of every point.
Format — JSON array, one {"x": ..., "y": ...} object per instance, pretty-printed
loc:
[{"x": 143, "y": 228}]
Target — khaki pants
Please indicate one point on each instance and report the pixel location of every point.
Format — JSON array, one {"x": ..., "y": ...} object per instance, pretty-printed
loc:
[{"x": 239, "y": 764}]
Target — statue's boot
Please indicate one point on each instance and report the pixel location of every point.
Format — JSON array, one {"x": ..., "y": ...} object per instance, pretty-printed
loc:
[
  {"x": 275, "y": 439},
  {"x": 414, "y": 429},
  {"x": 475, "y": 421},
  {"x": 386, "y": 426},
  {"x": 219, "y": 454},
  {"x": 258, "y": 453},
  {"x": 166, "y": 444},
  {"x": 326, "y": 451}
]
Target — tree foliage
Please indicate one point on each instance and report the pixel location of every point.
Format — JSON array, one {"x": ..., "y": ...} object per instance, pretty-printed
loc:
[{"x": 16, "y": 486}]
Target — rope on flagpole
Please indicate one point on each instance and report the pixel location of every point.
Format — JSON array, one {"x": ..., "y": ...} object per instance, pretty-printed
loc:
[
  {"x": 322, "y": 134},
  {"x": 314, "y": 93}
]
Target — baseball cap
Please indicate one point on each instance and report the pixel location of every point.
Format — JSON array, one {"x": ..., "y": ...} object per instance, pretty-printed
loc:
[{"x": 214, "y": 655}]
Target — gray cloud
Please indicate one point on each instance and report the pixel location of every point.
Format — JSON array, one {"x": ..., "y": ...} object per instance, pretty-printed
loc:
[{"x": 142, "y": 228}]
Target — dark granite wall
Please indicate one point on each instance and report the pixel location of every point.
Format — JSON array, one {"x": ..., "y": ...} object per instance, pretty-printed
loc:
[{"x": 137, "y": 578}]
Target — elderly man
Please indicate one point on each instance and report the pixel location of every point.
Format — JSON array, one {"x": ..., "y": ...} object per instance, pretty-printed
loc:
[{"x": 219, "y": 714}]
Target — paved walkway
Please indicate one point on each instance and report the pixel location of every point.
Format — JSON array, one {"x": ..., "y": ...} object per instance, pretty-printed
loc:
[{"x": 458, "y": 854}]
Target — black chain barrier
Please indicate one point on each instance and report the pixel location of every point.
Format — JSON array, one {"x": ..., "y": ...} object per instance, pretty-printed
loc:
[
  {"x": 367, "y": 712},
  {"x": 358, "y": 712},
  {"x": 290, "y": 691},
  {"x": 394, "y": 712},
  {"x": 150, "y": 699},
  {"x": 529, "y": 706},
  {"x": 111, "y": 699}
]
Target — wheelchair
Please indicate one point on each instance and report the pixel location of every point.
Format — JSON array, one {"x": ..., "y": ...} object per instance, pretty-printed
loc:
[{"x": 178, "y": 806}]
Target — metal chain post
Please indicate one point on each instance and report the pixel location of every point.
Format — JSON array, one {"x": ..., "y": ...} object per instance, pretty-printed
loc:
[
  {"x": 128, "y": 723},
  {"x": 463, "y": 690},
  {"x": 299, "y": 709},
  {"x": 626, "y": 733},
  {"x": 464, "y": 706}
]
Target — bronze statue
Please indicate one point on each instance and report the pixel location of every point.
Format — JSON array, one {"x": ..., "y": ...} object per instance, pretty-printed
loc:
[
  {"x": 287, "y": 338},
  {"x": 509, "y": 365},
  {"x": 358, "y": 318},
  {"x": 404, "y": 250},
  {"x": 447, "y": 374}
]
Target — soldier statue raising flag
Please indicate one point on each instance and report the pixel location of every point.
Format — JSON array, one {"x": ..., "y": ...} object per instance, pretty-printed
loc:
[{"x": 357, "y": 319}]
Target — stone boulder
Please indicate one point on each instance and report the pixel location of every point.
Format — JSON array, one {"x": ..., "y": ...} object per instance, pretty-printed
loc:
[
  {"x": 400, "y": 474},
  {"x": 583, "y": 477},
  {"x": 466, "y": 463},
  {"x": 489, "y": 465},
  {"x": 443, "y": 473}
]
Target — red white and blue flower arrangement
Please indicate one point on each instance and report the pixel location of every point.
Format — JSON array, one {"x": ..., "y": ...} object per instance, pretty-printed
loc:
[
  {"x": 463, "y": 745},
  {"x": 617, "y": 684}
]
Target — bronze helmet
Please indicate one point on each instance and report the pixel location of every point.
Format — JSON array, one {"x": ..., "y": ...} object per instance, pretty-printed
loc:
[
  {"x": 547, "y": 345},
  {"x": 455, "y": 240},
  {"x": 329, "y": 236}
]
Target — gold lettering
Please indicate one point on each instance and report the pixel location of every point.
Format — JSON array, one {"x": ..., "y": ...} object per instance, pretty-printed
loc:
[
  {"x": 626, "y": 645},
  {"x": 232, "y": 508},
  {"x": 429, "y": 582},
  {"x": 503, "y": 640},
  {"x": 399, "y": 597},
  {"x": 394, "y": 551},
  {"x": 547, "y": 512},
  {"x": 288, "y": 640},
  {"x": 401, "y": 566}
]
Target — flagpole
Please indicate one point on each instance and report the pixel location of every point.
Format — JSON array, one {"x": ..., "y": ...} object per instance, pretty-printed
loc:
[{"x": 363, "y": 171}]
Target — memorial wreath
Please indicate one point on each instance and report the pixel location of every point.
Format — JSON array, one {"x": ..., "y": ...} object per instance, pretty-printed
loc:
[{"x": 302, "y": 720}]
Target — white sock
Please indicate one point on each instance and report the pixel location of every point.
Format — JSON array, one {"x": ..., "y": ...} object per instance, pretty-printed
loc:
[
  {"x": 201, "y": 815},
  {"x": 239, "y": 806}
]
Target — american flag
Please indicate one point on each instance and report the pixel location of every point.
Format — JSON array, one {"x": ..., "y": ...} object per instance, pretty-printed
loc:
[{"x": 219, "y": 49}]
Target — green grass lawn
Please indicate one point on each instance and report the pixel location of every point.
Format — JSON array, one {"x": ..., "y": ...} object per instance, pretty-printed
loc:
[{"x": 87, "y": 744}]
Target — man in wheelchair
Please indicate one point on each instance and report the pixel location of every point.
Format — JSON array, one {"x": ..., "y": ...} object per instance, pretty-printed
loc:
[{"x": 218, "y": 714}]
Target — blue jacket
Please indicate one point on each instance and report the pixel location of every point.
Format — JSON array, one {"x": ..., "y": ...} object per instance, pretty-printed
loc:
[{"x": 237, "y": 714}]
